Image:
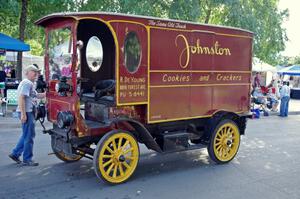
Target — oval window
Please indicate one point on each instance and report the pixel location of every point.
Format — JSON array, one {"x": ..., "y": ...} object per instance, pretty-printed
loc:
[
  {"x": 94, "y": 53},
  {"x": 133, "y": 53}
]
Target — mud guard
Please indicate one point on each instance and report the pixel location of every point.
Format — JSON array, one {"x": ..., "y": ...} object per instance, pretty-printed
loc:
[{"x": 143, "y": 135}]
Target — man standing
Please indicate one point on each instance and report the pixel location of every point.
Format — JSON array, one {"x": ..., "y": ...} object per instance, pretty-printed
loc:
[
  {"x": 285, "y": 98},
  {"x": 26, "y": 93}
]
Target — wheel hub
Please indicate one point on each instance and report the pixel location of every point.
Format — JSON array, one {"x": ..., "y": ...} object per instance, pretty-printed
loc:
[
  {"x": 229, "y": 142},
  {"x": 121, "y": 158}
]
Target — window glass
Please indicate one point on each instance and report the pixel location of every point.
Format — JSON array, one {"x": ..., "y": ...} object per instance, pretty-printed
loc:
[
  {"x": 60, "y": 53},
  {"x": 132, "y": 48},
  {"x": 94, "y": 53}
]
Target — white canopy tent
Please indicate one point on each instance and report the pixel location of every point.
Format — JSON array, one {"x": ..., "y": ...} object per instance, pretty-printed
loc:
[
  {"x": 27, "y": 59},
  {"x": 267, "y": 71},
  {"x": 260, "y": 66}
]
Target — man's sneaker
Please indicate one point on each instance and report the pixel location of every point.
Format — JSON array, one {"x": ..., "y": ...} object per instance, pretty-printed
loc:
[
  {"x": 14, "y": 158},
  {"x": 30, "y": 163}
]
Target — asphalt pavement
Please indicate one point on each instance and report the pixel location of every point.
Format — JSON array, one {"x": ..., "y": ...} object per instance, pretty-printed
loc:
[{"x": 267, "y": 167}]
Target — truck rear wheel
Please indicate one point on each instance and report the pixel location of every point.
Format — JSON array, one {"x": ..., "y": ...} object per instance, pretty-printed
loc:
[
  {"x": 224, "y": 142},
  {"x": 116, "y": 157}
]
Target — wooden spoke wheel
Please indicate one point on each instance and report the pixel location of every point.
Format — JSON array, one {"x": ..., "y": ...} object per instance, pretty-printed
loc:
[
  {"x": 116, "y": 157},
  {"x": 225, "y": 142},
  {"x": 63, "y": 156}
]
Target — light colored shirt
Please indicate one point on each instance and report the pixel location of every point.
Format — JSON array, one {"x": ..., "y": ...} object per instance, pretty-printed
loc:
[
  {"x": 26, "y": 89},
  {"x": 285, "y": 91}
]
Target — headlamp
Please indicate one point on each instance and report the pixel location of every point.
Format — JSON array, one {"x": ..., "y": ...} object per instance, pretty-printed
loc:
[{"x": 64, "y": 119}]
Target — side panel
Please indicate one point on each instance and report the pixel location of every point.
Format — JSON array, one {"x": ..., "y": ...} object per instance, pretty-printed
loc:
[
  {"x": 195, "y": 73},
  {"x": 132, "y": 86}
]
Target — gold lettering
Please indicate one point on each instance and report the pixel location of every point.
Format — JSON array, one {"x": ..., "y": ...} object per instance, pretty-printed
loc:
[
  {"x": 164, "y": 77},
  {"x": 216, "y": 47},
  {"x": 229, "y": 77},
  {"x": 184, "y": 57},
  {"x": 227, "y": 51},
  {"x": 204, "y": 78},
  {"x": 221, "y": 51},
  {"x": 212, "y": 51},
  {"x": 186, "y": 51},
  {"x": 175, "y": 78},
  {"x": 206, "y": 50},
  {"x": 193, "y": 49}
]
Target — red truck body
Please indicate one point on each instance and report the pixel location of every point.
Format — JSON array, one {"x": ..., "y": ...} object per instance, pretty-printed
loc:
[{"x": 168, "y": 75}]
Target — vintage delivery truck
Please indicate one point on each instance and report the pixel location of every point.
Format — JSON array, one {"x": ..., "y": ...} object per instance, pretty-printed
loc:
[{"x": 118, "y": 80}]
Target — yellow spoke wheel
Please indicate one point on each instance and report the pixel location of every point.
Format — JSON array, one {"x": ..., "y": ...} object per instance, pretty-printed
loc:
[
  {"x": 225, "y": 142},
  {"x": 116, "y": 157}
]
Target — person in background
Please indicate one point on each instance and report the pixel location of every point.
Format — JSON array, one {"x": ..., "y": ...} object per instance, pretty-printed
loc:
[
  {"x": 26, "y": 94},
  {"x": 2, "y": 81},
  {"x": 256, "y": 82},
  {"x": 273, "y": 99},
  {"x": 273, "y": 95},
  {"x": 285, "y": 98},
  {"x": 259, "y": 96},
  {"x": 7, "y": 71},
  {"x": 13, "y": 73}
]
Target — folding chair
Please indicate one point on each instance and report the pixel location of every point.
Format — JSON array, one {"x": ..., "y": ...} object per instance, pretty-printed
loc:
[{"x": 11, "y": 99}]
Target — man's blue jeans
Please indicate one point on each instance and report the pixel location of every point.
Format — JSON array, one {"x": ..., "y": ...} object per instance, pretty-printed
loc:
[
  {"x": 284, "y": 106},
  {"x": 25, "y": 144}
]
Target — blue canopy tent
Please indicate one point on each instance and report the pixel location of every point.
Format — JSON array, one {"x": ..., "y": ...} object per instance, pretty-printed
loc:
[
  {"x": 10, "y": 44},
  {"x": 291, "y": 70}
]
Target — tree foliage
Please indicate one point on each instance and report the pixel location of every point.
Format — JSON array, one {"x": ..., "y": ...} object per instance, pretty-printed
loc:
[{"x": 260, "y": 16}]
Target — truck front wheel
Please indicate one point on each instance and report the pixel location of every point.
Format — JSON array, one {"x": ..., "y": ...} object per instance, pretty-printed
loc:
[
  {"x": 116, "y": 156},
  {"x": 224, "y": 142},
  {"x": 68, "y": 158}
]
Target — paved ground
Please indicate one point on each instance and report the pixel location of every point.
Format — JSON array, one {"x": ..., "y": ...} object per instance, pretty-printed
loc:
[{"x": 267, "y": 166}]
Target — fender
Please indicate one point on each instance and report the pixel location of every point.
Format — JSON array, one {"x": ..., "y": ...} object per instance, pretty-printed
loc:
[
  {"x": 239, "y": 119},
  {"x": 142, "y": 133}
]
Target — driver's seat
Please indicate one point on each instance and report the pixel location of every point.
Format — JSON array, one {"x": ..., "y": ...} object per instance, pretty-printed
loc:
[{"x": 104, "y": 88}]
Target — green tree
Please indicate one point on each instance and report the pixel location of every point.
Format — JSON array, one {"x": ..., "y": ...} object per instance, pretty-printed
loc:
[
  {"x": 9, "y": 12},
  {"x": 188, "y": 10},
  {"x": 261, "y": 17}
]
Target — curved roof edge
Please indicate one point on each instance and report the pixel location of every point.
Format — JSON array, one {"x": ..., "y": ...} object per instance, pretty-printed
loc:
[{"x": 44, "y": 19}]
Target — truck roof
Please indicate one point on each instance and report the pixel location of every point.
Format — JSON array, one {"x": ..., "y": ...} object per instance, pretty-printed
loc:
[{"x": 44, "y": 20}]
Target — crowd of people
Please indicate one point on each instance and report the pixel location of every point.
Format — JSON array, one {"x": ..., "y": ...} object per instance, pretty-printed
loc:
[{"x": 269, "y": 97}]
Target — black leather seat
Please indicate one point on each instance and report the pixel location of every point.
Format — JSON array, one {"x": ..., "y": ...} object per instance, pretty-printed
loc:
[{"x": 104, "y": 88}]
